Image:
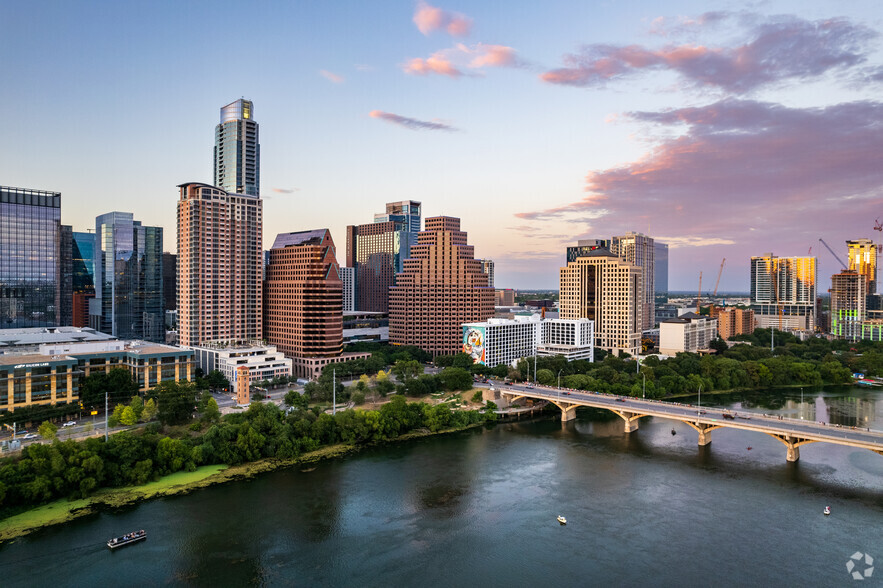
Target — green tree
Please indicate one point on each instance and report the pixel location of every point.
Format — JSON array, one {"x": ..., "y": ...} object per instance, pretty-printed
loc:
[
  {"x": 149, "y": 412},
  {"x": 294, "y": 399},
  {"x": 407, "y": 369},
  {"x": 211, "y": 413},
  {"x": 114, "y": 418},
  {"x": 455, "y": 378},
  {"x": 358, "y": 398},
  {"x": 217, "y": 380},
  {"x": 545, "y": 377},
  {"x": 47, "y": 430},
  {"x": 176, "y": 402},
  {"x": 137, "y": 406},
  {"x": 477, "y": 396},
  {"x": 127, "y": 417}
]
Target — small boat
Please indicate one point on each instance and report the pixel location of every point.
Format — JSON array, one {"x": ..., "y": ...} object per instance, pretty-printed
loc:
[
  {"x": 827, "y": 510},
  {"x": 749, "y": 448},
  {"x": 127, "y": 539},
  {"x": 673, "y": 432},
  {"x": 562, "y": 520}
]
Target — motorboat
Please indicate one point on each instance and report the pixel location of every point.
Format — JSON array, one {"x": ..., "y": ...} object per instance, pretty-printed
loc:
[
  {"x": 827, "y": 510},
  {"x": 673, "y": 432},
  {"x": 127, "y": 539},
  {"x": 562, "y": 520},
  {"x": 749, "y": 448}
]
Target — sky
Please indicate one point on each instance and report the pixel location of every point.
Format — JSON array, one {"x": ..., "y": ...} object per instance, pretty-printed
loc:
[{"x": 724, "y": 129}]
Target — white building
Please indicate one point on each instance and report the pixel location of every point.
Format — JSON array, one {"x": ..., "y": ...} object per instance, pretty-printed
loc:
[
  {"x": 689, "y": 332},
  {"x": 572, "y": 338},
  {"x": 505, "y": 341},
  {"x": 263, "y": 361},
  {"x": 348, "y": 278}
]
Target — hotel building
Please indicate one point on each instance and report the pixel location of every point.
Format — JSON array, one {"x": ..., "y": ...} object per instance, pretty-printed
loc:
[{"x": 783, "y": 292}]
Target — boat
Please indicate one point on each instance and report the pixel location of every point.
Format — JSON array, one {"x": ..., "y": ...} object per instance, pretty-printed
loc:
[
  {"x": 127, "y": 539},
  {"x": 748, "y": 448},
  {"x": 673, "y": 432},
  {"x": 562, "y": 520},
  {"x": 827, "y": 510}
]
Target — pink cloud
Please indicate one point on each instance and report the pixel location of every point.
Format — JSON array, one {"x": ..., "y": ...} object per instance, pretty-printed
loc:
[
  {"x": 430, "y": 19},
  {"x": 454, "y": 61},
  {"x": 410, "y": 123},
  {"x": 332, "y": 77},
  {"x": 783, "y": 48}
]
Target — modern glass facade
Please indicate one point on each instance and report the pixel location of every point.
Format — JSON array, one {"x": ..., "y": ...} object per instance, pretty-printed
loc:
[
  {"x": 237, "y": 154},
  {"x": 661, "y": 270},
  {"x": 83, "y": 276},
  {"x": 585, "y": 247},
  {"x": 30, "y": 252},
  {"x": 129, "y": 292}
]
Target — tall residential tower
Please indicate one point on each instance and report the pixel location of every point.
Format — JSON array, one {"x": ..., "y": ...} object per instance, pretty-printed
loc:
[
  {"x": 783, "y": 292},
  {"x": 237, "y": 155}
]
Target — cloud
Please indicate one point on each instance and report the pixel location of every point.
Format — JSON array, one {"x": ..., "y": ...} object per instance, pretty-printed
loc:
[
  {"x": 333, "y": 77},
  {"x": 410, "y": 123},
  {"x": 779, "y": 49},
  {"x": 430, "y": 19},
  {"x": 756, "y": 174},
  {"x": 455, "y": 61},
  {"x": 286, "y": 190}
]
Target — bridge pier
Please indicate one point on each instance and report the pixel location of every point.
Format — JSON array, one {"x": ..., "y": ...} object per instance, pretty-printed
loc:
[
  {"x": 704, "y": 437},
  {"x": 568, "y": 413},
  {"x": 630, "y": 425},
  {"x": 793, "y": 453}
]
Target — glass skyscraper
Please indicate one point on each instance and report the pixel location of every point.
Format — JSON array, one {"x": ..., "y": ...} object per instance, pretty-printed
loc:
[
  {"x": 30, "y": 258},
  {"x": 237, "y": 155},
  {"x": 128, "y": 278},
  {"x": 83, "y": 265}
]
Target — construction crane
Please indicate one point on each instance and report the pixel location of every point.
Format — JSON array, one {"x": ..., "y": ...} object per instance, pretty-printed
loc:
[
  {"x": 877, "y": 225},
  {"x": 832, "y": 253},
  {"x": 699, "y": 297},
  {"x": 716, "y": 284}
]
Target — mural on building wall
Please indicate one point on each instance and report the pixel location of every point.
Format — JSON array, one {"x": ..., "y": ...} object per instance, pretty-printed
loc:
[{"x": 473, "y": 343}]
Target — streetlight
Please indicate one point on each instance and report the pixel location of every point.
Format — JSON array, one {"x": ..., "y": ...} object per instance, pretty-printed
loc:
[
  {"x": 801, "y": 402},
  {"x": 559, "y": 378},
  {"x": 699, "y": 412},
  {"x": 644, "y": 386}
]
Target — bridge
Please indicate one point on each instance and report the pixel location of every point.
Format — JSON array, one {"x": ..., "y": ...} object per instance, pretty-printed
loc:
[{"x": 792, "y": 433}]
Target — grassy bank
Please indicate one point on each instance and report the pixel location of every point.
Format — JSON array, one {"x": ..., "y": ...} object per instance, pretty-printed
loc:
[{"x": 62, "y": 511}]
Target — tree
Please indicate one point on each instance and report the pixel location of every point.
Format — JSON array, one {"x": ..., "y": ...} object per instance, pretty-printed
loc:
[
  {"x": 477, "y": 396},
  {"x": 114, "y": 419},
  {"x": 211, "y": 413},
  {"x": 293, "y": 398},
  {"x": 128, "y": 417},
  {"x": 176, "y": 402},
  {"x": 149, "y": 412},
  {"x": 217, "y": 380},
  {"x": 137, "y": 406},
  {"x": 455, "y": 378},
  {"x": 384, "y": 386},
  {"x": 47, "y": 430},
  {"x": 407, "y": 369},
  {"x": 545, "y": 377},
  {"x": 358, "y": 398}
]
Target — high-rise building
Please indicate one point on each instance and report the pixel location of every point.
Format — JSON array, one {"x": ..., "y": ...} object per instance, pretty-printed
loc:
[
  {"x": 128, "y": 300},
  {"x": 220, "y": 266},
  {"x": 640, "y": 250},
  {"x": 504, "y": 297},
  {"x": 783, "y": 291},
  {"x": 170, "y": 280},
  {"x": 409, "y": 212},
  {"x": 487, "y": 266},
  {"x": 848, "y": 310},
  {"x": 84, "y": 264},
  {"x": 733, "y": 321},
  {"x": 30, "y": 258},
  {"x": 608, "y": 290},
  {"x": 863, "y": 259},
  {"x": 348, "y": 283},
  {"x": 585, "y": 247},
  {"x": 237, "y": 155},
  {"x": 660, "y": 274},
  {"x": 303, "y": 300},
  {"x": 377, "y": 251},
  {"x": 442, "y": 287},
  {"x": 65, "y": 275}
]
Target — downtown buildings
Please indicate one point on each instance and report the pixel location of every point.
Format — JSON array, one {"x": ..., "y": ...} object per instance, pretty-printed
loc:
[
  {"x": 640, "y": 250},
  {"x": 783, "y": 292},
  {"x": 237, "y": 155},
  {"x": 441, "y": 288}
]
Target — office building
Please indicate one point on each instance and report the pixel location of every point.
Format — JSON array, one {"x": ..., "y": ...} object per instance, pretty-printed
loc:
[
  {"x": 408, "y": 212},
  {"x": 487, "y": 266},
  {"x": 571, "y": 338},
  {"x": 689, "y": 332},
  {"x": 29, "y": 340},
  {"x": 863, "y": 259},
  {"x": 376, "y": 251},
  {"x": 170, "y": 281},
  {"x": 640, "y": 250},
  {"x": 733, "y": 321},
  {"x": 303, "y": 301},
  {"x": 848, "y": 299},
  {"x": 128, "y": 300},
  {"x": 504, "y": 297},
  {"x": 441, "y": 288},
  {"x": 585, "y": 247},
  {"x": 660, "y": 274},
  {"x": 348, "y": 285},
  {"x": 505, "y": 341},
  {"x": 783, "y": 292},
  {"x": 608, "y": 290},
  {"x": 261, "y": 362},
  {"x": 30, "y": 258},
  {"x": 84, "y": 264},
  {"x": 363, "y": 326},
  {"x": 237, "y": 155},
  {"x": 66, "y": 274},
  {"x": 220, "y": 265}
]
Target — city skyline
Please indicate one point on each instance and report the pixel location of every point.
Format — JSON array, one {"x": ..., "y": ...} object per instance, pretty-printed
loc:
[{"x": 769, "y": 111}]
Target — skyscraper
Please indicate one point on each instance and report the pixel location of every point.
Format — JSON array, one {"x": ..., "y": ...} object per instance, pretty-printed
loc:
[
  {"x": 348, "y": 283},
  {"x": 30, "y": 258},
  {"x": 863, "y": 259},
  {"x": 487, "y": 266},
  {"x": 237, "y": 155},
  {"x": 783, "y": 291},
  {"x": 408, "y": 212},
  {"x": 848, "y": 309},
  {"x": 220, "y": 266},
  {"x": 83, "y": 268},
  {"x": 304, "y": 307},
  {"x": 170, "y": 280},
  {"x": 585, "y": 247},
  {"x": 602, "y": 287},
  {"x": 441, "y": 288},
  {"x": 660, "y": 275},
  {"x": 640, "y": 250},
  {"x": 128, "y": 278}
]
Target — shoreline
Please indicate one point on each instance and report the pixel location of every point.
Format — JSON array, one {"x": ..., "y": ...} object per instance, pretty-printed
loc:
[{"x": 63, "y": 510}]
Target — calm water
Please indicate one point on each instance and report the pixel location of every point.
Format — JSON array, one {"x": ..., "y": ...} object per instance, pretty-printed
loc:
[{"x": 479, "y": 507}]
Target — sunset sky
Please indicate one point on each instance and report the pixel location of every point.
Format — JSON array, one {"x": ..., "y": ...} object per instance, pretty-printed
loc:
[{"x": 724, "y": 129}]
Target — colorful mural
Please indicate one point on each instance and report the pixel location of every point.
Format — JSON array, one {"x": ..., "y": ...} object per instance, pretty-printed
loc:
[{"x": 473, "y": 343}]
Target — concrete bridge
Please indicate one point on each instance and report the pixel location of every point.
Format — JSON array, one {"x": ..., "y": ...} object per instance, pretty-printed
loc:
[{"x": 792, "y": 433}]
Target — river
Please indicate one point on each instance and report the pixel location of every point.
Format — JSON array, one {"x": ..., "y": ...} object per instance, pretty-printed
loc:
[{"x": 478, "y": 508}]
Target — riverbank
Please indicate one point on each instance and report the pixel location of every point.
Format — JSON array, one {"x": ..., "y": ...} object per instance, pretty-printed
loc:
[
  {"x": 756, "y": 390},
  {"x": 64, "y": 510}
]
